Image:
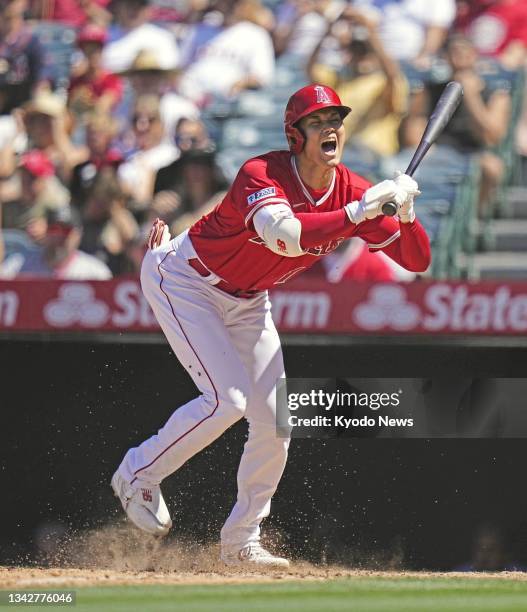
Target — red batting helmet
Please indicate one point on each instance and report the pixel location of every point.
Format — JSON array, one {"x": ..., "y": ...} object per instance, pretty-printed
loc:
[{"x": 304, "y": 102}]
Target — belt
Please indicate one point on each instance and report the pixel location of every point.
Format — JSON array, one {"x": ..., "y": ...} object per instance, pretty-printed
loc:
[{"x": 224, "y": 286}]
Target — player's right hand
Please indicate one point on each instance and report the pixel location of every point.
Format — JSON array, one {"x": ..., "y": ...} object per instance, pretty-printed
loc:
[
  {"x": 370, "y": 205},
  {"x": 158, "y": 235}
]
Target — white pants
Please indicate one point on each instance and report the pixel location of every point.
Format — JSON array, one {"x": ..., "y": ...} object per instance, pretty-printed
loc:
[{"x": 231, "y": 349}]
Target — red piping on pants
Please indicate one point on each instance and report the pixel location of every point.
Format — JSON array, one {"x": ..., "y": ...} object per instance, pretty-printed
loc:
[{"x": 204, "y": 369}]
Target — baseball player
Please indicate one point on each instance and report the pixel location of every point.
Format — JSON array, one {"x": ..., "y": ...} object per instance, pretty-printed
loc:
[{"x": 208, "y": 290}]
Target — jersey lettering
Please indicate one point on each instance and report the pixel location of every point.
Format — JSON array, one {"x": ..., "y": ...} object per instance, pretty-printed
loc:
[{"x": 324, "y": 249}]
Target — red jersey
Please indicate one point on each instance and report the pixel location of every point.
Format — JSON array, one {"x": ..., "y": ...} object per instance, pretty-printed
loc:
[
  {"x": 95, "y": 88},
  {"x": 227, "y": 243}
]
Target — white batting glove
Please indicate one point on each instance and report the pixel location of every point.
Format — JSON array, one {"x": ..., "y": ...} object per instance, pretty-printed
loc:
[
  {"x": 405, "y": 211},
  {"x": 158, "y": 235},
  {"x": 370, "y": 205}
]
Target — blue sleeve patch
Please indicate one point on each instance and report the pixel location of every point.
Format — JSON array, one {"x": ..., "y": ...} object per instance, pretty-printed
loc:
[{"x": 260, "y": 195}]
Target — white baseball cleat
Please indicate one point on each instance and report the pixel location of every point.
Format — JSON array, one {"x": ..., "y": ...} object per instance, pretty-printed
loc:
[
  {"x": 143, "y": 504},
  {"x": 252, "y": 555}
]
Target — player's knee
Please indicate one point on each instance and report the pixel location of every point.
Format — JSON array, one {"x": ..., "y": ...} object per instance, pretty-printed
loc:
[
  {"x": 230, "y": 404},
  {"x": 235, "y": 402}
]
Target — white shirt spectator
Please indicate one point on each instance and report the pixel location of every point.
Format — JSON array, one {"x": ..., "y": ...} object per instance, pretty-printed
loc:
[
  {"x": 307, "y": 32},
  {"x": 241, "y": 51},
  {"x": 402, "y": 25},
  {"x": 118, "y": 56},
  {"x": 173, "y": 108},
  {"x": 79, "y": 266},
  {"x": 10, "y": 135},
  {"x": 143, "y": 165}
]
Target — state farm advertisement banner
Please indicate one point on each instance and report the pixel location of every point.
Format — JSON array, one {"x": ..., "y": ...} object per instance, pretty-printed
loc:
[{"x": 433, "y": 307}]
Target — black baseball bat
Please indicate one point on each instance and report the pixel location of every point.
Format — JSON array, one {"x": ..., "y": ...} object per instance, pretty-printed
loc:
[{"x": 441, "y": 115}]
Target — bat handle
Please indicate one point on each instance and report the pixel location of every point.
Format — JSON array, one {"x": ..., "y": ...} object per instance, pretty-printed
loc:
[{"x": 389, "y": 209}]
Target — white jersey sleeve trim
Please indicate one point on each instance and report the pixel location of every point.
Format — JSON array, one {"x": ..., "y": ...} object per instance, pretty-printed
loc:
[
  {"x": 381, "y": 245},
  {"x": 265, "y": 203}
]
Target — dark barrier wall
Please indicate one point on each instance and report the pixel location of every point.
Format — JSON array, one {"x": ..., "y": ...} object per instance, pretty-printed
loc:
[{"x": 70, "y": 410}]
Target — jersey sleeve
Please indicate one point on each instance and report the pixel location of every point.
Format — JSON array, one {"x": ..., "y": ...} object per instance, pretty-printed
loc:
[
  {"x": 405, "y": 243},
  {"x": 380, "y": 232},
  {"x": 253, "y": 189}
]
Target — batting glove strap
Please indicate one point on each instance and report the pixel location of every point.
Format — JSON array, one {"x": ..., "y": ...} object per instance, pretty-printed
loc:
[
  {"x": 410, "y": 187},
  {"x": 354, "y": 212},
  {"x": 370, "y": 205},
  {"x": 406, "y": 212}
]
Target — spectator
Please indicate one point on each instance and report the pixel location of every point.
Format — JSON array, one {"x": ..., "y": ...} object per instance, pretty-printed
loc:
[
  {"x": 39, "y": 192},
  {"x": 497, "y": 28},
  {"x": 132, "y": 33},
  {"x": 411, "y": 30},
  {"x": 370, "y": 82},
  {"x": 94, "y": 89},
  {"x": 108, "y": 227},
  {"x": 205, "y": 23},
  {"x": 300, "y": 24},
  {"x": 153, "y": 152},
  {"x": 58, "y": 257},
  {"x": 167, "y": 11},
  {"x": 354, "y": 261},
  {"x": 148, "y": 77},
  {"x": 48, "y": 126},
  {"x": 74, "y": 13},
  {"x": 192, "y": 185},
  {"x": 482, "y": 118},
  {"x": 101, "y": 130},
  {"x": 240, "y": 57},
  {"x": 13, "y": 141},
  {"x": 21, "y": 72},
  {"x": 21, "y": 57}
]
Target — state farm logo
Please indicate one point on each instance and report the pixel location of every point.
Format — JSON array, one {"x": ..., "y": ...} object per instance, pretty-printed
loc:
[
  {"x": 76, "y": 304},
  {"x": 444, "y": 307},
  {"x": 387, "y": 306},
  {"x": 301, "y": 309}
]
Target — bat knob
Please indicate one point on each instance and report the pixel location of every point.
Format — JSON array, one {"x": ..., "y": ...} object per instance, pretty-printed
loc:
[{"x": 389, "y": 209}]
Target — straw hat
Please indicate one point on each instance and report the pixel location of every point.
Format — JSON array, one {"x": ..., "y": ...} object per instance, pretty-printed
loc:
[
  {"x": 146, "y": 61},
  {"x": 46, "y": 103}
]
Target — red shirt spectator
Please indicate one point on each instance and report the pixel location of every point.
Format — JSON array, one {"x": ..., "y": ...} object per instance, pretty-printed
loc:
[
  {"x": 96, "y": 88},
  {"x": 495, "y": 27},
  {"x": 354, "y": 261}
]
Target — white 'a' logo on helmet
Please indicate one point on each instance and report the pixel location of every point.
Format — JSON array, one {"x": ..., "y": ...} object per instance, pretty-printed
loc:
[{"x": 322, "y": 95}]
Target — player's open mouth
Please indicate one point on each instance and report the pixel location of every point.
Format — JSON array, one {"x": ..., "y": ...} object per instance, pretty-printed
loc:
[{"x": 329, "y": 146}]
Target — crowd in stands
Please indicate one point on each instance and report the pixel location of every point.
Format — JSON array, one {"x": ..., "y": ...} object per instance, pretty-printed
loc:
[{"x": 115, "y": 112}]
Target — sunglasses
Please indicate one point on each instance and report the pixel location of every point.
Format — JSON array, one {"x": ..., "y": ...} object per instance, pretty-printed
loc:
[{"x": 145, "y": 119}]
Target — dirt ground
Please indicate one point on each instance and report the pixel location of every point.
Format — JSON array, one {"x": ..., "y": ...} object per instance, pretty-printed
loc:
[
  {"x": 121, "y": 555},
  {"x": 23, "y": 578}
]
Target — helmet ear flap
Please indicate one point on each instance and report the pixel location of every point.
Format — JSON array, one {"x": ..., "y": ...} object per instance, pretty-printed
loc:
[{"x": 296, "y": 139}]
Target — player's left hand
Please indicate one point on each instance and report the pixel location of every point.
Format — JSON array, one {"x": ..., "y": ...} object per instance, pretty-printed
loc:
[
  {"x": 405, "y": 210},
  {"x": 158, "y": 235}
]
